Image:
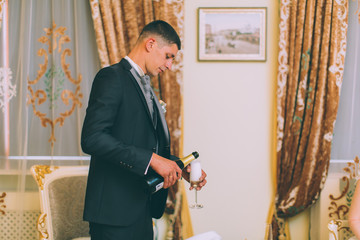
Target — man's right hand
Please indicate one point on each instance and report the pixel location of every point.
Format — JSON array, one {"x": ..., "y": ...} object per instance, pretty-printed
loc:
[{"x": 166, "y": 168}]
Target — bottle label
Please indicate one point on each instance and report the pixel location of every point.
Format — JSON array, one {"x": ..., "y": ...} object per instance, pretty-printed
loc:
[{"x": 159, "y": 186}]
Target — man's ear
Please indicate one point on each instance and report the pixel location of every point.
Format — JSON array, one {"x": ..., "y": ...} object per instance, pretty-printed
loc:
[{"x": 149, "y": 44}]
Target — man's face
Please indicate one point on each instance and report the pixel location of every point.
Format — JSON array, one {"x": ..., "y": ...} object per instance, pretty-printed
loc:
[{"x": 161, "y": 58}]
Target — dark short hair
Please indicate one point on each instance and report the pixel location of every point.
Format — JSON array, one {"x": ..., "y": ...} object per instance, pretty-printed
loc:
[{"x": 163, "y": 30}]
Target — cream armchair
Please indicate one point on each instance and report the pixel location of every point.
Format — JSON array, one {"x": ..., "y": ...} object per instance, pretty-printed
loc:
[{"x": 62, "y": 193}]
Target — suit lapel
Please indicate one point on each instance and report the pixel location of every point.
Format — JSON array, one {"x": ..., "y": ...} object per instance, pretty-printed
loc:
[{"x": 136, "y": 78}]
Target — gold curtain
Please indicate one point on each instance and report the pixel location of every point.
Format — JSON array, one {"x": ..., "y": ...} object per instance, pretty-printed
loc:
[
  {"x": 311, "y": 63},
  {"x": 117, "y": 26}
]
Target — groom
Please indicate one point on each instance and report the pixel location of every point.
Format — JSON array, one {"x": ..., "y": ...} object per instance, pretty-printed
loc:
[{"x": 126, "y": 135}]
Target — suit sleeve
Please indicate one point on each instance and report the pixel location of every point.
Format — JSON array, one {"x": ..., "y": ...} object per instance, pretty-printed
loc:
[{"x": 96, "y": 138}]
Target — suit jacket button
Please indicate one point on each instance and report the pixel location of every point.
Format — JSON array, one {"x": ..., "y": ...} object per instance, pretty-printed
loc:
[{"x": 154, "y": 149}]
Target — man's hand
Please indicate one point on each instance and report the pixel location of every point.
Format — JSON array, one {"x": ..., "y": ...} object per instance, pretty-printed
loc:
[
  {"x": 186, "y": 175},
  {"x": 166, "y": 168}
]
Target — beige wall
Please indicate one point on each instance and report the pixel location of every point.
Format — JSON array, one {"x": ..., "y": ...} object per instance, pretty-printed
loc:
[{"x": 228, "y": 108}]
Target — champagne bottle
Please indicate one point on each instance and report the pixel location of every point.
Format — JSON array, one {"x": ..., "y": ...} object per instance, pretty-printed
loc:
[{"x": 154, "y": 182}]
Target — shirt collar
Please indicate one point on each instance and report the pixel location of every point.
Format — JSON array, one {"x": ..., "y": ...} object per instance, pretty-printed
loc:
[{"x": 134, "y": 65}]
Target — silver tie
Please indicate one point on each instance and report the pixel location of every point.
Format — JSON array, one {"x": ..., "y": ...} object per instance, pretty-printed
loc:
[{"x": 145, "y": 81}]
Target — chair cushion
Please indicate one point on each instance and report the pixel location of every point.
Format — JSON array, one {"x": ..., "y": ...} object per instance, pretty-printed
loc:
[{"x": 66, "y": 197}]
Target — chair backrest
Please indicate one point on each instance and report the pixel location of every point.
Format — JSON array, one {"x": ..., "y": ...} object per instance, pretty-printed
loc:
[{"x": 62, "y": 194}]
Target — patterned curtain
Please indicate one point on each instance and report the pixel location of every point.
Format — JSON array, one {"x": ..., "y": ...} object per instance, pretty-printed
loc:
[
  {"x": 53, "y": 60},
  {"x": 311, "y": 64},
  {"x": 117, "y": 26}
]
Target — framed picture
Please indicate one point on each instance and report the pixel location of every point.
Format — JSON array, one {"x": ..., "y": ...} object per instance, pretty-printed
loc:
[{"x": 232, "y": 34}]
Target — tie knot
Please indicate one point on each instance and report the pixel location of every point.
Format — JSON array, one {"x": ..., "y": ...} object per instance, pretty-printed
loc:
[{"x": 145, "y": 79}]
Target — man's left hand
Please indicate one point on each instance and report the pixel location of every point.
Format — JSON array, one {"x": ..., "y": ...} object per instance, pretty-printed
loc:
[{"x": 186, "y": 175}]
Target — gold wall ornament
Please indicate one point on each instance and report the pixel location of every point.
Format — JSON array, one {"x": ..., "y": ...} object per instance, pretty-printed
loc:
[
  {"x": 54, "y": 78},
  {"x": 41, "y": 227},
  {"x": 2, "y": 203},
  {"x": 39, "y": 172}
]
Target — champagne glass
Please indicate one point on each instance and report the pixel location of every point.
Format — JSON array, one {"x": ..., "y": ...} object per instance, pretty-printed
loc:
[{"x": 195, "y": 175}]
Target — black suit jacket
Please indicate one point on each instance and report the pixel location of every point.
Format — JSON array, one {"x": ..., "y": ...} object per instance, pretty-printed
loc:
[{"x": 120, "y": 136}]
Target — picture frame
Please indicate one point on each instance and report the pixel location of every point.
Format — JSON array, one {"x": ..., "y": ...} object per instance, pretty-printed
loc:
[{"x": 232, "y": 34}]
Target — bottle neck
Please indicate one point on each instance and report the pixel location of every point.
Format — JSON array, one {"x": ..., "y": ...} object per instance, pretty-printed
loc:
[{"x": 188, "y": 159}]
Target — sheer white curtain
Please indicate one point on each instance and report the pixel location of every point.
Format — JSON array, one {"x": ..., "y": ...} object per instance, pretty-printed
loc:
[
  {"x": 346, "y": 141},
  {"x": 45, "y": 37},
  {"x": 346, "y": 138},
  {"x": 53, "y": 59}
]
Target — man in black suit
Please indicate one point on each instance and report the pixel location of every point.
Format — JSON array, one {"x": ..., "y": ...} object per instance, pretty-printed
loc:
[{"x": 126, "y": 135}]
